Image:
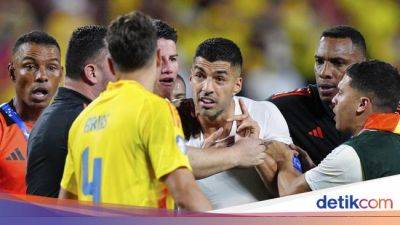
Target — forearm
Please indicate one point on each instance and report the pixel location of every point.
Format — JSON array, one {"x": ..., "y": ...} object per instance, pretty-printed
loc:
[
  {"x": 268, "y": 174},
  {"x": 207, "y": 162},
  {"x": 267, "y": 170},
  {"x": 192, "y": 199},
  {"x": 290, "y": 181},
  {"x": 186, "y": 193}
]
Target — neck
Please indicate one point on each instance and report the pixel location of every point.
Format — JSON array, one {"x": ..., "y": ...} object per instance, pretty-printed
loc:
[
  {"x": 144, "y": 76},
  {"x": 210, "y": 125},
  {"x": 26, "y": 113},
  {"x": 82, "y": 88},
  {"x": 359, "y": 124}
]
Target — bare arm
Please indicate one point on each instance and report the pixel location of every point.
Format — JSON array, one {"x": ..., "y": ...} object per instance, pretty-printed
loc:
[
  {"x": 185, "y": 191},
  {"x": 64, "y": 194},
  {"x": 267, "y": 172},
  {"x": 207, "y": 162},
  {"x": 246, "y": 152},
  {"x": 290, "y": 181}
]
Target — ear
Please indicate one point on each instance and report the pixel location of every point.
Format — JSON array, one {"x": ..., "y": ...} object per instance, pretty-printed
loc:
[
  {"x": 238, "y": 85},
  {"x": 89, "y": 74},
  {"x": 364, "y": 105},
  {"x": 11, "y": 72}
]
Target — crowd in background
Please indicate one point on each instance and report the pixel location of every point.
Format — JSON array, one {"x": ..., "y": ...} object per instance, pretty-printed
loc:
[{"x": 277, "y": 37}]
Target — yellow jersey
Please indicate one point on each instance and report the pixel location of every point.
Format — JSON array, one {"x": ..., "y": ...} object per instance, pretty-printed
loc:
[{"x": 121, "y": 145}]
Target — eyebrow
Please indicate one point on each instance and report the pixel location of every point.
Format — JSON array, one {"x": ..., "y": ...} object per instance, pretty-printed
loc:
[
  {"x": 199, "y": 68},
  {"x": 333, "y": 58},
  {"x": 223, "y": 72},
  {"x": 176, "y": 55},
  {"x": 33, "y": 59},
  {"x": 28, "y": 58}
]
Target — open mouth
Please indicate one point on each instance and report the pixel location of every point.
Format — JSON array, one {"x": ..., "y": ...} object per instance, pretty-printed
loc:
[
  {"x": 206, "y": 102},
  {"x": 39, "y": 94},
  {"x": 168, "y": 81}
]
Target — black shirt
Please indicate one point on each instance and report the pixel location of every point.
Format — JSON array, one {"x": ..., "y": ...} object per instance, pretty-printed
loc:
[
  {"x": 47, "y": 145},
  {"x": 310, "y": 121}
]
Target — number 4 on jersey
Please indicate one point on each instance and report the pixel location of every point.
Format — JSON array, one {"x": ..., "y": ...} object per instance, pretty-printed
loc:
[{"x": 91, "y": 188}]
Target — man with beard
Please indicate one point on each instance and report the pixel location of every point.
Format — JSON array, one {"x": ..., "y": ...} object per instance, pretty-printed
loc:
[
  {"x": 87, "y": 75},
  {"x": 365, "y": 106},
  {"x": 220, "y": 115},
  {"x": 308, "y": 111},
  {"x": 35, "y": 69}
]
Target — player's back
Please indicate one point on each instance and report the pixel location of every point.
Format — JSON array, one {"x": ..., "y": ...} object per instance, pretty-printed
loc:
[{"x": 110, "y": 160}]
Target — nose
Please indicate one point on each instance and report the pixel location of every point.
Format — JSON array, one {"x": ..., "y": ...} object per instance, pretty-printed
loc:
[
  {"x": 207, "y": 86},
  {"x": 166, "y": 65},
  {"x": 41, "y": 75},
  {"x": 326, "y": 71}
]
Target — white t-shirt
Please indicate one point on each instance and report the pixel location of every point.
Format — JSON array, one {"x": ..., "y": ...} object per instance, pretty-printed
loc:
[
  {"x": 239, "y": 185},
  {"x": 341, "y": 166}
]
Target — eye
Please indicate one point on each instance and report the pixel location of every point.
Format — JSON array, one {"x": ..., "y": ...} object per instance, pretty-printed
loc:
[
  {"x": 29, "y": 66},
  {"x": 199, "y": 75},
  {"x": 220, "y": 78},
  {"x": 52, "y": 67},
  {"x": 319, "y": 60},
  {"x": 173, "y": 59},
  {"x": 338, "y": 62}
]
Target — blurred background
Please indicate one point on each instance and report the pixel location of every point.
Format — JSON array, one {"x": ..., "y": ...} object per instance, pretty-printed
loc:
[{"x": 278, "y": 38}]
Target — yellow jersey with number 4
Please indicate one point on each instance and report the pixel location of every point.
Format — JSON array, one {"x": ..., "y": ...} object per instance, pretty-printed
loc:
[{"x": 120, "y": 147}]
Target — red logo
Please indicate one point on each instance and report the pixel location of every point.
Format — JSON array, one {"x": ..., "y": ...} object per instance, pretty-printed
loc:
[{"x": 317, "y": 132}]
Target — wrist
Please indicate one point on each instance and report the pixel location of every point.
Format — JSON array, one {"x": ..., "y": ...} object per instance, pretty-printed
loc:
[
  {"x": 234, "y": 156},
  {"x": 284, "y": 161}
]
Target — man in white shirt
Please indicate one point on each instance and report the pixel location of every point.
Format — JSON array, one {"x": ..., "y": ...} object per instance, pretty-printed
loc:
[{"x": 216, "y": 79}]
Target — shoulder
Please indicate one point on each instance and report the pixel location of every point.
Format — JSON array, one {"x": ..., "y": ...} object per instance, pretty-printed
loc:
[
  {"x": 298, "y": 101},
  {"x": 293, "y": 97},
  {"x": 372, "y": 138},
  {"x": 258, "y": 107},
  {"x": 155, "y": 102},
  {"x": 340, "y": 159},
  {"x": 5, "y": 120},
  {"x": 305, "y": 92}
]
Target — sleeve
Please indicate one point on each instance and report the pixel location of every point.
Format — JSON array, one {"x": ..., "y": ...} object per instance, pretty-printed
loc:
[
  {"x": 275, "y": 126},
  {"x": 163, "y": 138},
  {"x": 341, "y": 166},
  {"x": 68, "y": 181}
]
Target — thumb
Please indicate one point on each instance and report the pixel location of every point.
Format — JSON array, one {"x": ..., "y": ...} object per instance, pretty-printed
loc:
[{"x": 210, "y": 141}]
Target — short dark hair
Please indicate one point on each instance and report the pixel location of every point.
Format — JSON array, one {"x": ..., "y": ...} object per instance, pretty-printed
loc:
[
  {"x": 86, "y": 42},
  {"x": 165, "y": 31},
  {"x": 37, "y": 37},
  {"x": 131, "y": 41},
  {"x": 223, "y": 49},
  {"x": 379, "y": 80},
  {"x": 344, "y": 31}
]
